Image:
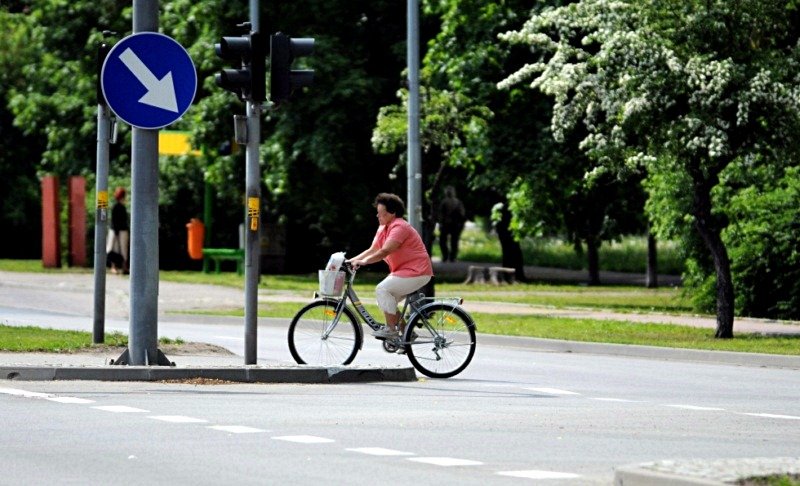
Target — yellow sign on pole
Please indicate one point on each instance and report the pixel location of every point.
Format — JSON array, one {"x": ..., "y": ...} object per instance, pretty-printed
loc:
[
  {"x": 102, "y": 199},
  {"x": 175, "y": 143},
  {"x": 253, "y": 212}
]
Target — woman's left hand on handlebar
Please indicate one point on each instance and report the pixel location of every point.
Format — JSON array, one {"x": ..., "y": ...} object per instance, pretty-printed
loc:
[{"x": 355, "y": 263}]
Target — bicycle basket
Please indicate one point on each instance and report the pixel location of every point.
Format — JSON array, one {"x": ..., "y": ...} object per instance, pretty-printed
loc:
[{"x": 331, "y": 283}]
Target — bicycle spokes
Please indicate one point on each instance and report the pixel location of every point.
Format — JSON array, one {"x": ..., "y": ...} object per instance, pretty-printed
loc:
[{"x": 446, "y": 341}]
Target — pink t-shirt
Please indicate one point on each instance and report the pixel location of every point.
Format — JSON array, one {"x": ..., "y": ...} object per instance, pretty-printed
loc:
[{"x": 411, "y": 258}]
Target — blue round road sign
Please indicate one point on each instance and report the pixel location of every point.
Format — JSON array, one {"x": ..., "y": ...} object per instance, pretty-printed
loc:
[{"x": 149, "y": 80}]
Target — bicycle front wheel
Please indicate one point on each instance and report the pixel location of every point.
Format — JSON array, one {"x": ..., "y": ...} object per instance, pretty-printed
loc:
[
  {"x": 314, "y": 340},
  {"x": 440, "y": 340}
]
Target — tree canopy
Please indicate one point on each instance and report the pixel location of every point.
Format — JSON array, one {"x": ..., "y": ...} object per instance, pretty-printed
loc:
[{"x": 702, "y": 96}]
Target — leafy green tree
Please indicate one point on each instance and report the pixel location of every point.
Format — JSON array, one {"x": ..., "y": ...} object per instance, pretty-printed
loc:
[
  {"x": 685, "y": 91},
  {"x": 320, "y": 172},
  {"x": 19, "y": 190},
  {"x": 502, "y": 139},
  {"x": 762, "y": 238}
]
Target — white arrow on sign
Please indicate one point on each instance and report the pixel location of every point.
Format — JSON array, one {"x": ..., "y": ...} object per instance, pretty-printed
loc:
[{"x": 160, "y": 92}]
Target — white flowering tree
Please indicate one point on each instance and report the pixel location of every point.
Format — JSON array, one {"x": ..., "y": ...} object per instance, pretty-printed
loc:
[{"x": 693, "y": 93}]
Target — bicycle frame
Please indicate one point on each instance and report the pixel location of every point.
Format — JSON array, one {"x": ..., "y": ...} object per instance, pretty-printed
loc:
[
  {"x": 438, "y": 334},
  {"x": 351, "y": 295}
]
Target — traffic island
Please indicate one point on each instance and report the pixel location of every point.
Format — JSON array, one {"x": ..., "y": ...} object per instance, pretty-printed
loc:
[{"x": 240, "y": 374}]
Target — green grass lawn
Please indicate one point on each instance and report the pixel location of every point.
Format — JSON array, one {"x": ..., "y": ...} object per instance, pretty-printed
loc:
[{"x": 37, "y": 339}]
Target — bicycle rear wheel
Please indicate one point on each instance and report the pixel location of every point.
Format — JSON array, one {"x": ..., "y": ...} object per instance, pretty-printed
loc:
[
  {"x": 444, "y": 343},
  {"x": 309, "y": 343}
]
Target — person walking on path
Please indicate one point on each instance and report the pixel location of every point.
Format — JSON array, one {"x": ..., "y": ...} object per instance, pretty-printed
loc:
[
  {"x": 451, "y": 223},
  {"x": 117, "y": 248},
  {"x": 399, "y": 244}
]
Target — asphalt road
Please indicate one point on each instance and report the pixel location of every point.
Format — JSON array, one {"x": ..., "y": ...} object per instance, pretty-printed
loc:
[{"x": 516, "y": 415}]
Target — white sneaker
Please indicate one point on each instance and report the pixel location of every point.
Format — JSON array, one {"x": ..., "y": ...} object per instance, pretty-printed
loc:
[{"x": 386, "y": 333}]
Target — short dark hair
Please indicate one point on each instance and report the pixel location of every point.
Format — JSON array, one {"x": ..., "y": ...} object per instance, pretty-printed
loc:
[{"x": 392, "y": 202}]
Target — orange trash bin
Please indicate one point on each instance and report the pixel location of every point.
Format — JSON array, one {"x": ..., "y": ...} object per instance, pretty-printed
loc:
[{"x": 196, "y": 231}]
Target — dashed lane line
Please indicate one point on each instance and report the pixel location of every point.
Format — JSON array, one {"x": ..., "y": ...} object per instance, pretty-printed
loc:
[
  {"x": 76, "y": 400},
  {"x": 695, "y": 407},
  {"x": 120, "y": 409},
  {"x": 619, "y": 400},
  {"x": 537, "y": 474},
  {"x": 236, "y": 429},
  {"x": 445, "y": 461},
  {"x": 379, "y": 451},
  {"x": 304, "y": 439},
  {"x": 773, "y": 415},
  {"x": 23, "y": 393},
  {"x": 551, "y": 391},
  {"x": 178, "y": 419},
  {"x": 45, "y": 396}
]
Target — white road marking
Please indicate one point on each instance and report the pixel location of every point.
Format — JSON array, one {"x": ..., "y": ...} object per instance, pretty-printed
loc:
[
  {"x": 69, "y": 400},
  {"x": 120, "y": 409},
  {"x": 236, "y": 429},
  {"x": 695, "y": 407},
  {"x": 230, "y": 338},
  {"x": 535, "y": 474},
  {"x": 304, "y": 439},
  {"x": 47, "y": 396},
  {"x": 178, "y": 419},
  {"x": 380, "y": 451},
  {"x": 23, "y": 393},
  {"x": 552, "y": 391},
  {"x": 772, "y": 415},
  {"x": 621, "y": 400},
  {"x": 445, "y": 461}
]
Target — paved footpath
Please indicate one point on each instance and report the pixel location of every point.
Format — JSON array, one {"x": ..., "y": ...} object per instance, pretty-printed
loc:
[{"x": 72, "y": 293}]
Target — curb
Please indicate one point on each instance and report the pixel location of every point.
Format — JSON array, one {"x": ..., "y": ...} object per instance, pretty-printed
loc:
[
  {"x": 650, "y": 352},
  {"x": 247, "y": 374},
  {"x": 637, "y": 476},
  {"x": 718, "y": 472}
]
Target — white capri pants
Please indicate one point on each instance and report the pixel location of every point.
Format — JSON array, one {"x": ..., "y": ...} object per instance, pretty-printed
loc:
[{"x": 393, "y": 289}]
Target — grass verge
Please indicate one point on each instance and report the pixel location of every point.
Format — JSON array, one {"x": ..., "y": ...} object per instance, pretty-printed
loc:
[{"x": 37, "y": 339}]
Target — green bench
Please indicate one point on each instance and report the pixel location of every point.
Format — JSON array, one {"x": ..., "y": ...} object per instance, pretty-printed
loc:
[{"x": 220, "y": 254}]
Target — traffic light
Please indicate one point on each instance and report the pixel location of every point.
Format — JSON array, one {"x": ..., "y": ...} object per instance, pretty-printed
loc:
[
  {"x": 283, "y": 51},
  {"x": 102, "y": 52},
  {"x": 249, "y": 81}
]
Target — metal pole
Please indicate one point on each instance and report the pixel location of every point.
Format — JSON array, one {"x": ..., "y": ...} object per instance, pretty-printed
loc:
[
  {"x": 253, "y": 230},
  {"x": 414, "y": 152},
  {"x": 143, "y": 338},
  {"x": 101, "y": 223},
  {"x": 253, "y": 217},
  {"x": 255, "y": 24}
]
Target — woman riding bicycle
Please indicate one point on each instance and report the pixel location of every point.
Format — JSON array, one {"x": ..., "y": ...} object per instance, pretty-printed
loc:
[{"x": 399, "y": 244}]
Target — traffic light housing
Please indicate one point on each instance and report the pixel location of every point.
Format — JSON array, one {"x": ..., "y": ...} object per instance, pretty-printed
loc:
[
  {"x": 249, "y": 81},
  {"x": 283, "y": 51},
  {"x": 102, "y": 52}
]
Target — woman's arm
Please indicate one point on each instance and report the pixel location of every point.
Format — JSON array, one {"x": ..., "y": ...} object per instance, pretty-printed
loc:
[{"x": 375, "y": 254}]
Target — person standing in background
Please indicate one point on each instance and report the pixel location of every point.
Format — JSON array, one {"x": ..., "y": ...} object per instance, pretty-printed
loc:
[
  {"x": 451, "y": 223},
  {"x": 117, "y": 248}
]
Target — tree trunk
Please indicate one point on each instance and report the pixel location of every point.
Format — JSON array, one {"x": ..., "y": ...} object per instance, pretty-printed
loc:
[
  {"x": 711, "y": 233},
  {"x": 652, "y": 262},
  {"x": 512, "y": 252},
  {"x": 593, "y": 256}
]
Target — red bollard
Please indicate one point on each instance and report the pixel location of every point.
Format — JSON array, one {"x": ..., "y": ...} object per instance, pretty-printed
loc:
[
  {"x": 51, "y": 243},
  {"x": 77, "y": 221}
]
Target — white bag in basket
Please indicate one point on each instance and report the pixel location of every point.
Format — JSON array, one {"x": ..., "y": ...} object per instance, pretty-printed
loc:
[
  {"x": 335, "y": 262},
  {"x": 331, "y": 282}
]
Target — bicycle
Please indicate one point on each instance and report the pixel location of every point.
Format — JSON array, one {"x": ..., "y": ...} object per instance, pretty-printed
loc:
[{"x": 439, "y": 336}]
